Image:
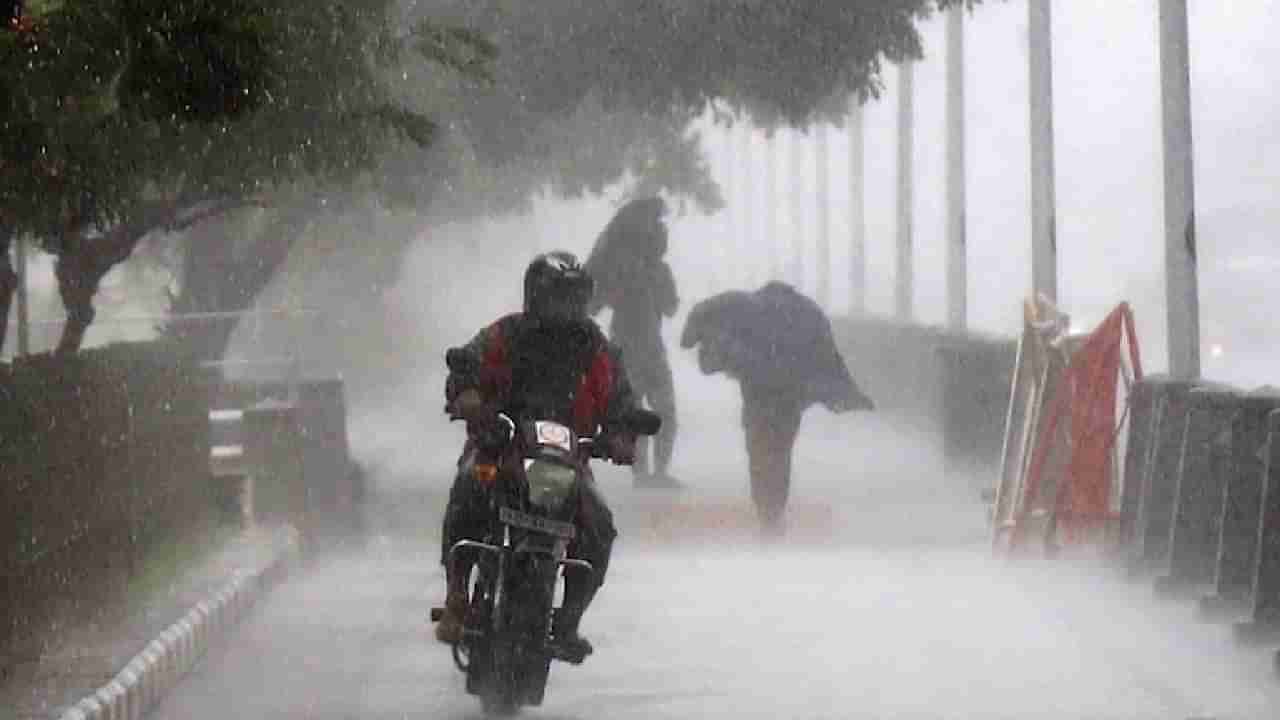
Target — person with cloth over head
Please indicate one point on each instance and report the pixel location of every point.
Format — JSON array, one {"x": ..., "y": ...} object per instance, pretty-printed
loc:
[{"x": 778, "y": 345}]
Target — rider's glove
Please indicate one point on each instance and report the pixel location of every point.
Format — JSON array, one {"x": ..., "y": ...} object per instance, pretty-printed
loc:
[
  {"x": 622, "y": 448},
  {"x": 482, "y": 419}
]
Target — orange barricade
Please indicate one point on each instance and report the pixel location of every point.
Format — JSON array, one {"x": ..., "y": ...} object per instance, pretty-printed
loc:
[{"x": 1085, "y": 398}]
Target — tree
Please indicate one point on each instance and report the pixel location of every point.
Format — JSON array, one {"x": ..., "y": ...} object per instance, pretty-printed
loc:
[
  {"x": 8, "y": 281},
  {"x": 783, "y": 61},
  {"x": 256, "y": 98},
  {"x": 125, "y": 117},
  {"x": 587, "y": 94}
]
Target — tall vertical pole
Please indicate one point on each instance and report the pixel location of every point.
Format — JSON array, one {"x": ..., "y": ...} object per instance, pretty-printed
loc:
[
  {"x": 730, "y": 216},
  {"x": 822, "y": 265},
  {"x": 770, "y": 207},
  {"x": 1044, "y": 240},
  {"x": 744, "y": 242},
  {"x": 795, "y": 189},
  {"x": 728, "y": 257},
  {"x": 1181, "y": 285},
  {"x": 857, "y": 213},
  {"x": 905, "y": 272},
  {"x": 24, "y": 323},
  {"x": 957, "y": 254}
]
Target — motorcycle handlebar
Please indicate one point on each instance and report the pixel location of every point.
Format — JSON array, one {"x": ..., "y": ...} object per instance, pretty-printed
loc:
[{"x": 503, "y": 431}]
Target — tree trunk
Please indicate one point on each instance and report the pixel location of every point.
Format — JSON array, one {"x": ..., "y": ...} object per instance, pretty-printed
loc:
[
  {"x": 79, "y": 274},
  {"x": 83, "y": 261},
  {"x": 8, "y": 283}
]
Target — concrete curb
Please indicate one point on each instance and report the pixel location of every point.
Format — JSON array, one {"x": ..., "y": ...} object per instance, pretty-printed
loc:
[{"x": 162, "y": 664}]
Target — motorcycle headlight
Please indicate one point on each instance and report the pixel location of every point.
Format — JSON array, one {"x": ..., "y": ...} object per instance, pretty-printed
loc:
[{"x": 550, "y": 483}]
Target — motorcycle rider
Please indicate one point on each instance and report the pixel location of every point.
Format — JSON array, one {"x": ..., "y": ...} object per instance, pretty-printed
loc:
[
  {"x": 552, "y": 361},
  {"x": 634, "y": 280}
]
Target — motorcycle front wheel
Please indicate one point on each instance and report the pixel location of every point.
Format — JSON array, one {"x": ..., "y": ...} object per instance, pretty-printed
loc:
[{"x": 499, "y": 698}]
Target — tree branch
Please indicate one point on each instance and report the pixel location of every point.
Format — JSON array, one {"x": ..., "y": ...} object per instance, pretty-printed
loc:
[
  {"x": 8, "y": 282},
  {"x": 83, "y": 263}
]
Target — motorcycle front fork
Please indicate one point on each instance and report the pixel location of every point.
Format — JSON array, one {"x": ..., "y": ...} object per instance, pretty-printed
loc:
[{"x": 501, "y": 553}]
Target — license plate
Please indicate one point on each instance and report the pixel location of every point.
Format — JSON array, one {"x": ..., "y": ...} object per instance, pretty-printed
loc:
[{"x": 537, "y": 524}]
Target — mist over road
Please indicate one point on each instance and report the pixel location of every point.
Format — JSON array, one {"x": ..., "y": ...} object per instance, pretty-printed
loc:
[{"x": 900, "y": 612}]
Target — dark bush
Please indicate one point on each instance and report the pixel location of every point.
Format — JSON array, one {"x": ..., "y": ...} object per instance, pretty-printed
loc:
[{"x": 103, "y": 455}]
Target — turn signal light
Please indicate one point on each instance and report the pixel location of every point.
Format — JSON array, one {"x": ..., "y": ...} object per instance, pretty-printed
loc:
[{"x": 485, "y": 473}]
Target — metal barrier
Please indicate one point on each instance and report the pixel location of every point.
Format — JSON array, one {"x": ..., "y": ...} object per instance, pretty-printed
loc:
[
  {"x": 1203, "y": 466},
  {"x": 1202, "y": 497},
  {"x": 1143, "y": 419},
  {"x": 1263, "y": 625},
  {"x": 1158, "y": 474},
  {"x": 1240, "y": 520}
]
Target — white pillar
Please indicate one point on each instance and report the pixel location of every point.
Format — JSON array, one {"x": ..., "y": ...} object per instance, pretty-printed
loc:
[
  {"x": 1181, "y": 289},
  {"x": 904, "y": 270},
  {"x": 795, "y": 191},
  {"x": 744, "y": 244},
  {"x": 857, "y": 213},
  {"x": 957, "y": 253},
  {"x": 770, "y": 207},
  {"x": 726, "y": 253},
  {"x": 1044, "y": 241},
  {"x": 822, "y": 264}
]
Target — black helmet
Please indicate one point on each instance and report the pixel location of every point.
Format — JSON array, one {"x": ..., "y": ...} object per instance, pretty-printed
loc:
[{"x": 556, "y": 288}]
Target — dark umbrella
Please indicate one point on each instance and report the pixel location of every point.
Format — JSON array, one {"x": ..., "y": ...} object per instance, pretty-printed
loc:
[{"x": 773, "y": 337}]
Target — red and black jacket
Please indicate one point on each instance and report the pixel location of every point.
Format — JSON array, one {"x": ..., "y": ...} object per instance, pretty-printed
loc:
[{"x": 574, "y": 376}]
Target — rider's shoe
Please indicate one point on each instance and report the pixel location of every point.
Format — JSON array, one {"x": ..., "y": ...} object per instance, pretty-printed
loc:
[
  {"x": 657, "y": 481},
  {"x": 572, "y": 649},
  {"x": 449, "y": 628},
  {"x": 568, "y": 645}
]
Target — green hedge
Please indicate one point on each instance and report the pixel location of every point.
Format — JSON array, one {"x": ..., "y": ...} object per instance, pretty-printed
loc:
[{"x": 102, "y": 455}]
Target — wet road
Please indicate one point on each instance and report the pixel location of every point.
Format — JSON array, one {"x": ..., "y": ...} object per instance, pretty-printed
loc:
[{"x": 878, "y": 620}]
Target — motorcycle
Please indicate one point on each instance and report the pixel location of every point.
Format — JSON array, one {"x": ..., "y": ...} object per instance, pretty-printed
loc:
[{"x": 506, "y": 648}]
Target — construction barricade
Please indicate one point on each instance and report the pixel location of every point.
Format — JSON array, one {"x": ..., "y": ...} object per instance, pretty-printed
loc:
[{"x": 1059, "y": 478}]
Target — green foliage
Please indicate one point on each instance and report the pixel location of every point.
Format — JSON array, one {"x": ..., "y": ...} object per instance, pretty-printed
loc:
[
  {"x": 120, "y": 117},
  {"x": 197, "y": 61},
  {"x": 104, "y": 102},
  {"x": 103, "y": 452},
  {"x": 107, "y": 106},
  {"x": 465, "y": 51},
  {"x": 587, "y": 93}
]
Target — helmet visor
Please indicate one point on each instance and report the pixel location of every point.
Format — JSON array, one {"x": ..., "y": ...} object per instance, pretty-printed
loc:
[{"x": 561, "y": 299}]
